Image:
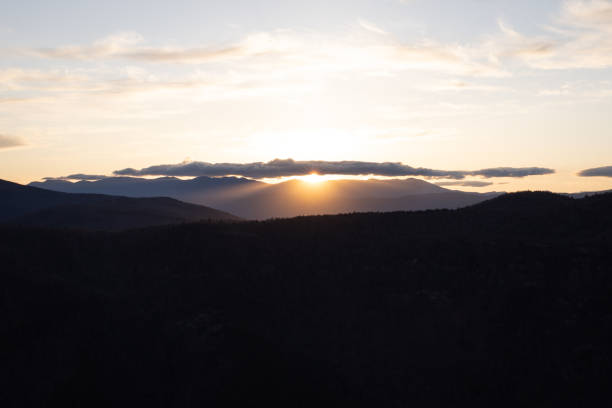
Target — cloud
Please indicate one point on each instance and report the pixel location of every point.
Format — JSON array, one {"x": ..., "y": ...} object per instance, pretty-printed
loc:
[
  {"x": 434, "y": 56},
  {"x": 132, "y": 80},
  {"x": 592, "y": 14},
  {"x": 373, "y": 28},
  {"x": 514, "y": 44},
  {"x": 466, "y": 86},
  {"x": 17, "y": 79},
  {"x": 286, "y": 168},
  {"x": 465, "y": 183},
  {"x": 597, "y": 172},
  {"x": 7, "y": 141},
  {"x": 290, "y": 167},
  {"x": 285, "y": 62},
  {"x": 127, "y": 45},
  {"x": 512, "y": 172},
  {"x": 582, "y": 39},
  {"x": 144, "y": 54},
  {"x": 305, "y": 51},
  {"x": 78, "y": 177}
]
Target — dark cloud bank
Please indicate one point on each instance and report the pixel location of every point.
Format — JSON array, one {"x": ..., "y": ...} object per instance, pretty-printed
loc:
[
  {"x": 597, "y": 172},
  {"x": 289, "y": 167},
  {"x": 79, "y": 177}
]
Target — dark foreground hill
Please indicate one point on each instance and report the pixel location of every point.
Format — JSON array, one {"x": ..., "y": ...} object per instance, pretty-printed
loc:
[
  {"x": 504, "y": 304},
  {"x": 31, "y": 206}
]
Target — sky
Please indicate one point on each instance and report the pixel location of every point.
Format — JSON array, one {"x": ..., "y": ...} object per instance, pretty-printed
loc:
[{"x": 449, "y": 88}]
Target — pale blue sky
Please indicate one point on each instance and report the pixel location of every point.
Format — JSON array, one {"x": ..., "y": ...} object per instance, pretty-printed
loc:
[
  {"x": 92, "y": 87},
  {"x": 36, "y": 23}
]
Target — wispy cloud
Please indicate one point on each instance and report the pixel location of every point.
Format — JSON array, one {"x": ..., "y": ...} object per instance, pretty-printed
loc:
[
  {"x": 605, "y": 171},
  {"x": 371, "y": 27},
  {"x": 7, "y": 141},
  {"x": 289, "y": 167},
  {"x": 128, "y": 46},
  {"x": 513, "y": 44},
  {"x": 581, "y": 39},
  {"x": 460, "y": 86},
  {"x": 20, "y": 79},
  {"x": 92, "y": 82},
  {"x": 591, "y": 14},
  {"x": 288, "y": 48}
]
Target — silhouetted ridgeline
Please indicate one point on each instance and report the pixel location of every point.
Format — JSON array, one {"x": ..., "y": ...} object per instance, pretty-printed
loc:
[
  {"x": 503, "y": 304},
  {"x": 25, "y": 205}
]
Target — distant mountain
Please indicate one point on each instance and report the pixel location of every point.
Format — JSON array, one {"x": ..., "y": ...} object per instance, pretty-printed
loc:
[
  {"x": 588, "y": 193},
  {"x": 295, "y": 198},
  {"x": 193, "y": 190},
  {"x": 256, "y": 200},
  {"x": 26, "y": 205}
]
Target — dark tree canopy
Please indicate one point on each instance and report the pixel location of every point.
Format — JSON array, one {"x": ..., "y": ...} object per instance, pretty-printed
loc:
[{"x": 506, "y": 303}]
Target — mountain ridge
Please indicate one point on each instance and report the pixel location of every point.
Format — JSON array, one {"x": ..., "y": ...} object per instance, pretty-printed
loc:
[
  {"x": 32, "y": 206},
  {"x": 253, "y": 199}
]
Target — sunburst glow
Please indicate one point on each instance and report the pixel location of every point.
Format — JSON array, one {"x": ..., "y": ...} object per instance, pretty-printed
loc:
[{"x": 313, "y": 178}]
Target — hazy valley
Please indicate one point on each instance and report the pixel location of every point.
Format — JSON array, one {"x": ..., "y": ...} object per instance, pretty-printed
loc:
[{"x": 252, "y": 199}]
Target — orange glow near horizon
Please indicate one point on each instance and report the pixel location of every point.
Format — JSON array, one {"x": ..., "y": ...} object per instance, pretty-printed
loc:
[
  {"x": 563, "y": 181},
  {"x": 313, "y": 178}
]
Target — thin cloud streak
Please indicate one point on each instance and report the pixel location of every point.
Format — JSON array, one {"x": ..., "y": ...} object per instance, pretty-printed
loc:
[
  {"x": 7, "y": 141},
  {"x": 292, "y": 49},
  {"x": 366, "y": 25},
  {"x": 127, "y": 45},
  {"x": 289, "y": 167}
]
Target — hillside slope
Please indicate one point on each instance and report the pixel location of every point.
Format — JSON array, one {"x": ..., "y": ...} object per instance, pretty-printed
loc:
[
  {"x": 507, "y": 303},
  {"x": 32, "y": 206}
]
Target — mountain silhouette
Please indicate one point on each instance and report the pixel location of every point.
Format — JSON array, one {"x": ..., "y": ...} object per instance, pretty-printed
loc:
[
  {"x": 186, "y": 190},
  {"x": 26, "y": 205},
  {"x": 252, "y": 199}
]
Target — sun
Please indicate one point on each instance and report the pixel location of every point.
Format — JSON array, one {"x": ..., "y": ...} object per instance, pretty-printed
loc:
[{"x": 312, "y": 178}]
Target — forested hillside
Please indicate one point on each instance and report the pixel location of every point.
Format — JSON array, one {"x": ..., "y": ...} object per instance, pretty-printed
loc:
[{"x": 507, "y": 303}]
